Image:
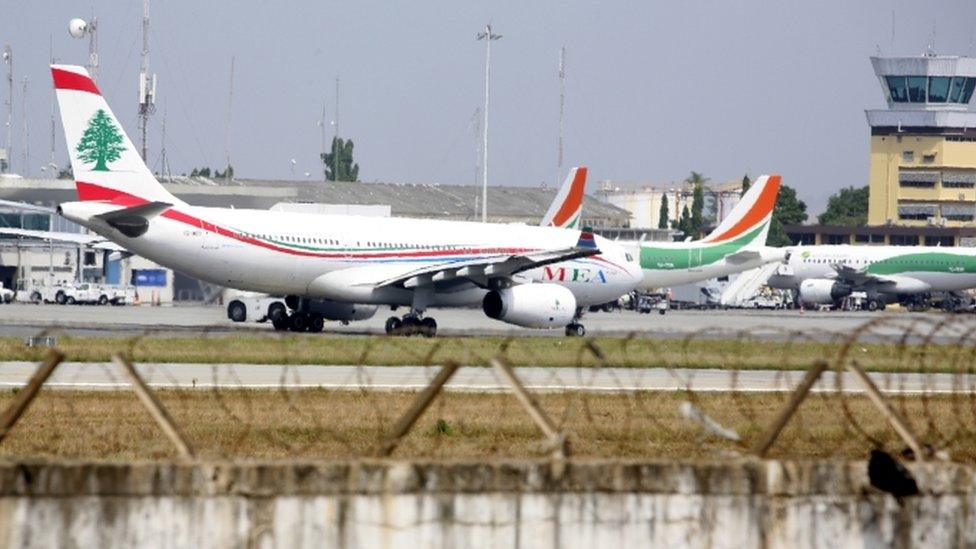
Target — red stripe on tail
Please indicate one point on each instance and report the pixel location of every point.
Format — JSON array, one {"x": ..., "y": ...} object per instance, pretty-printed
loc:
[
  {"x": 67, "y": 80},
  {"x": 573, "y": 199},
  {"x": 764, "y": 204}
]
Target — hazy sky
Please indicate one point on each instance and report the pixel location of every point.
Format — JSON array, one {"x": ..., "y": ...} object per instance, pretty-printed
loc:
[{"x": 654, "y": 89}]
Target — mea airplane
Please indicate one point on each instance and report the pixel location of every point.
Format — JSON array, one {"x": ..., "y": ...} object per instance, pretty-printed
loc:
[
  {"x": 737, "y": 244},
  {"x": 331, "y": 261},
  {"x": 825, "y": 274}
]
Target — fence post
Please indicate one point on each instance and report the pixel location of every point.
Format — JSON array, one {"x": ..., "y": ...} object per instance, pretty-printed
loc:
[
  {"x": 897, "y": 422},
  {"x": 154, "y": 406},
  {"x": 557, "y": 439},
  {"x": 26, "y": 395},
  {"x": 407, "y": 421},
  {"x": 768, "y": 438}
]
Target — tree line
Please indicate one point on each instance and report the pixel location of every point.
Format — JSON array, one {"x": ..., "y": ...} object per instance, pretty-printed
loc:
[{"x": 847, "y": 207}]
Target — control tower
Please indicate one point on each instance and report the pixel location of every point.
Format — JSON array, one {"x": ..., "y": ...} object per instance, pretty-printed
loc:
[{"x": 923, "y": 146}]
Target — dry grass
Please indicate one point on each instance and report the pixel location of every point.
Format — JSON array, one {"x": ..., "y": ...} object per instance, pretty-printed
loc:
[
  {"x": 521, "y": 351},
  {"x": 319, "y": 424}
]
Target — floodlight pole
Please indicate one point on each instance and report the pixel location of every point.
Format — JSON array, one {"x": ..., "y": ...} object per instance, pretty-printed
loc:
[
  {"x": 147, "y": 84},
  {"x": 488, "y": 37},
  {"x": 562, "y": 104}
]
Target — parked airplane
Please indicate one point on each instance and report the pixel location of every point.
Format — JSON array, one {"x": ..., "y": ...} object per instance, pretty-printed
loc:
[
  {"x": 827, "y": 273},
  {"x": 506, "y": 269},
  {"x": 567, "y": 208},
  {"x": 737, "y": 244}
]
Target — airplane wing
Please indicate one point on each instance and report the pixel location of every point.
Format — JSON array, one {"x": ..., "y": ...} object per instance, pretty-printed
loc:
[
  {"x": 482, "y": 269},
  {"x": 859, "y": 277},
  {"x": 86, "y": 240}
]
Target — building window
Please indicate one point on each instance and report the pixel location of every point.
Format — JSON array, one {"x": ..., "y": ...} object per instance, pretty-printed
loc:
[
  {"x": 904, "y": 240},
  {"x": 967, "y": 91},
  {"x": 89, "y": 259},
  {"x": 908, "y": 156},
  {"x": 836, "y": 239},
  {"x": 939, "y": 241},
  {"x": 916, "y": 89},
  {"x": 862, "y": 238},
  {"x": 898, "y": 88},
  {"x": 928, "y": 158},
  {"x": 938, "y": 89},
  {"x": 804, "y": 239},
  {"x": 955, "y": 91}
]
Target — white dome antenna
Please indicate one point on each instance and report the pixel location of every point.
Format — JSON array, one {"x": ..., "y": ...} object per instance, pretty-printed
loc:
[{"x": 77, "y": 27}]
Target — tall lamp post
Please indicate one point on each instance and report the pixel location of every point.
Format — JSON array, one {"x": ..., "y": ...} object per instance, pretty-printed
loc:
[{"x": 488, "y": 37}]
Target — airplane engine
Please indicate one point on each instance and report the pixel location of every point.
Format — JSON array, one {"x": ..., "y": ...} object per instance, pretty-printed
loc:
[
  {"x": 532, "y": 305},
  {"x": 821, "y": 290},
  {"x": 335, "y": 310}
]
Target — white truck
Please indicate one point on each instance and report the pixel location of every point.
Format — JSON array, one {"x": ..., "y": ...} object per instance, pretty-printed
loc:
[
  {"x": 256, "y": 307},
  {"x": 94, "y": 294},
  {"x": 6, "y": 294}
]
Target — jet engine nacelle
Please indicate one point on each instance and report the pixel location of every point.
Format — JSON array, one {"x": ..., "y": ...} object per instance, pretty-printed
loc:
[
  {"x": 531, "y": 305},
  {"x": 822, "y": 290}
]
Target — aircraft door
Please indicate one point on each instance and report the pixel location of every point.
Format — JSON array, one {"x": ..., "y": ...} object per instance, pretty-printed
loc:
[{"x": 695, "y": 258}]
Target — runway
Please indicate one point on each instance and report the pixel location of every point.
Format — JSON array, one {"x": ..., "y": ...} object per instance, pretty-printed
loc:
[
  {"x": 91, "y": 321},
  {"x": 96, "y": 376}
]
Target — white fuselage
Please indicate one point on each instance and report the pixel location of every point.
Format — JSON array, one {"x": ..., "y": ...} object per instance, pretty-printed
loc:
[
  {"x": 906, "y": 269},
  {"x": 332, "y": 256}
]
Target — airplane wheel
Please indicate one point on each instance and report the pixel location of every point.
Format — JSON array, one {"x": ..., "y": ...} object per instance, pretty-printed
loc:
[
  {"x": 428, "y": 327},
  {"x": 299, "y": 322},
  {"x": 237, "y": 311},
  {"x": 873, "y": 305},
  {"x": 277, "y": 311},
  {"x": 281, "y": 323},
  {"x": 316, "y": 323},
  {"x": 575, "y": 330},
  {"x": 393, "y": 325}
]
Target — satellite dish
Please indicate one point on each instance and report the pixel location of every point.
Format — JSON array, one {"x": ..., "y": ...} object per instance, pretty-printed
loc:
[{"x": 77, "y": 27}]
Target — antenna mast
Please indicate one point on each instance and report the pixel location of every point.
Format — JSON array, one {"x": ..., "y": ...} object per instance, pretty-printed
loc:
[
  {"x": 335, "y": 141},
  {"x": 562, "y": 104},
  {"x": 24, "y": 133},
  {"x": 230, "y": 110},
  {"x": 51, "y": 165},
  {"x": 93, "y": 47},
  {"x": 488, "y": 37},
  {"x": 8, "y": 59},
  {"x": 147, "y": 83}
]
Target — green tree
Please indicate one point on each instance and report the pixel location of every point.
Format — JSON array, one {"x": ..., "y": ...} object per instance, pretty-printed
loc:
[
  {"x": 101, "y": 143},
  {"x": 746, "y": 183},
  {"x": 697, "y": 221},
  {"x": 226, "y": 174},
  {"x": 684, "y": 224},
  {"x": 847, "y": 207},
  {"x": 788, "y": 211},
  {"x": 200, "y": 172},
  {"x": 663, "y": 214},
  {"x": 339, "y": 165}
]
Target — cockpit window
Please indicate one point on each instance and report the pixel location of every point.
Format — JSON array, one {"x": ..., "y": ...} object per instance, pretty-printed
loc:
[{"x": 630, "y": 258}]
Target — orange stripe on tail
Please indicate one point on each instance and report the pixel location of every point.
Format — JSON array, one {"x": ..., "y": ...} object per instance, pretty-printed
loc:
[{"x": 763, "y": 206}]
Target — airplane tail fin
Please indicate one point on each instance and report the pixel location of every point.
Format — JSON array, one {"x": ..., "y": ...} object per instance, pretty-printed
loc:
[
  {"x": 752, "y": 215},
  {"x": 106, "y": 165},
  {"x": 567, "y": 207}
]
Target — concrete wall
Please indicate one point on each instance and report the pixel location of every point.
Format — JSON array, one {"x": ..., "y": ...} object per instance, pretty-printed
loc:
[{"x": 397, "y": 504}]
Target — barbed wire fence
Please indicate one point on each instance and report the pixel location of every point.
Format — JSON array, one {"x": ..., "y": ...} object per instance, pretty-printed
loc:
[{"x": 903, "y": 383}]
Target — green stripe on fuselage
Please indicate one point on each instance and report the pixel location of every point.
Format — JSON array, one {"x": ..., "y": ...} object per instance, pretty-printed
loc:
[
  {"x": 925, "y": 262},
  {"x": 694, "y": 255}
]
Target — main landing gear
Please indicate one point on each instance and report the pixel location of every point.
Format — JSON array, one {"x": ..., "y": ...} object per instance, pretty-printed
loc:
[
  {"x": 574, "y": 328},
  {"x": 298, "y": 322},
  {"x": 411, "y": 324}
]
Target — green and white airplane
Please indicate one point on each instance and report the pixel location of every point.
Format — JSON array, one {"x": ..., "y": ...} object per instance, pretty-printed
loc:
[
  {"x": 738, "y": 244},
  {"x": 827, "y": 273}
]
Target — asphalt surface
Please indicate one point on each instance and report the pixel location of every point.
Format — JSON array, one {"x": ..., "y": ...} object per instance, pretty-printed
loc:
[
  {"x": 80, "y": 320},
  {"x": 96, "y": 376}
]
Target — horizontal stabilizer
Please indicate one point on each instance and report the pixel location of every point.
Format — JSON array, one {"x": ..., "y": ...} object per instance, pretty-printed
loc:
[{"x": 134, "y": 221}]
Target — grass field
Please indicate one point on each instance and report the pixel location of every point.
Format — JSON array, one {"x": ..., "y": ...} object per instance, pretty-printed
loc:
[
  {"x": 522, "y": 351},
  {"x": 318, "y": 424}
]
